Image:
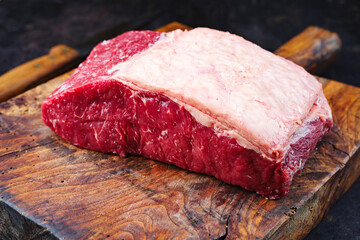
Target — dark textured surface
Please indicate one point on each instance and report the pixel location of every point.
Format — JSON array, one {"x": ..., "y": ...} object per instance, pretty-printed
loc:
[{"x": 29, "y": 29}]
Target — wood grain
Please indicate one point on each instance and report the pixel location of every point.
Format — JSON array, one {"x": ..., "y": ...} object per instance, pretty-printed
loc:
[
  {"x": 51, "y": 189},
  {"x": 60, "y": 59},
  {"x": 315, "y": 49}
]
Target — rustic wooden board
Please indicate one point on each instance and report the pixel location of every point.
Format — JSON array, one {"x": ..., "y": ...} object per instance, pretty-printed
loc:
[{"x": 51, "y": 189}]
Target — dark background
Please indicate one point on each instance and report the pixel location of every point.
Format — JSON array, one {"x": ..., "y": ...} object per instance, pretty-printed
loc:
[{"x": 29, "y": 29}]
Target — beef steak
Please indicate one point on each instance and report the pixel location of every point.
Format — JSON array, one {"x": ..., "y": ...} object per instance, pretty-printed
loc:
[{"x": 204, "y": 100}]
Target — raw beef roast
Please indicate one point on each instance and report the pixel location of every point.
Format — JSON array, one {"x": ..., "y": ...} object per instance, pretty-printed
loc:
[{"x": 204, "y": 100}]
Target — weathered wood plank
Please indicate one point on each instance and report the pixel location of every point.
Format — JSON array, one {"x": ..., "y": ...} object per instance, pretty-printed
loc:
[
  {"x": 60, "y": 59},
  {"x": 52, "y": 179},
  {"x": 62, "y": 191},
  {"x": 315, "y": 56}
]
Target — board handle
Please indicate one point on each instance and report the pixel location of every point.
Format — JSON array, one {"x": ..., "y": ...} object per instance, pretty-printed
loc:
[
  {"x": 315, "y": 49},
  {"x": 59, "y": 59}
]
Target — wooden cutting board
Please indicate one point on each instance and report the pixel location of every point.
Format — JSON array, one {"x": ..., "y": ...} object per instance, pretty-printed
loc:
[{"x": 51, "y": 189}]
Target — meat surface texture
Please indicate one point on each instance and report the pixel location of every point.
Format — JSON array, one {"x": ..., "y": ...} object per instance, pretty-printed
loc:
[{"x": 204, "y": 100}]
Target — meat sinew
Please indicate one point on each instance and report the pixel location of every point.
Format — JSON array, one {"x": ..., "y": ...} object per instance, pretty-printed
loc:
[{"x": 204, "y": 100}]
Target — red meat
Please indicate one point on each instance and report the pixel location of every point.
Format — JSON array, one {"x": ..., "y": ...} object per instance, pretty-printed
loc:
[{"x": 95, "y": 111}]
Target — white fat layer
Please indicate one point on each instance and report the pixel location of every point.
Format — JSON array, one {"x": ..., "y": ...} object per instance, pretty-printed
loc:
[{"x": 231, "y": 85}]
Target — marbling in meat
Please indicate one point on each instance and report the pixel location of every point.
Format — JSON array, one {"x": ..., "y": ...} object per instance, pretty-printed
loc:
[{"x": 204, "y": 100}]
